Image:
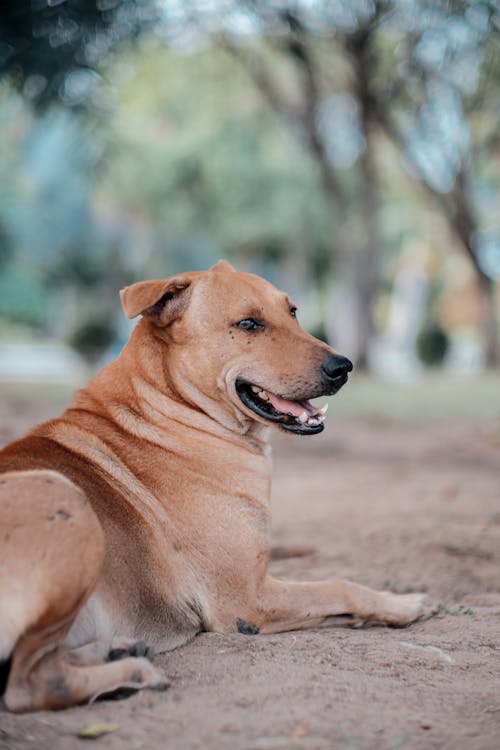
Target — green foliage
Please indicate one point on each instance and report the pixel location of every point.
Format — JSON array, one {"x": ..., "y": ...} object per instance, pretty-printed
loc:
[
  {"x": 22, "y": 298},
  {"x": 92, "y": 338},
  {"x": 432, "y": 345},
  {"x": 6, "y": 245},
  {"x": 53, "y": 50},
  {"x": 78, "y": 267},
  {"x": 208, "y": 160}
]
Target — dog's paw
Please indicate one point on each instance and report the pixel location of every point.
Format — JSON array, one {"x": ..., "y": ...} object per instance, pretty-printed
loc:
[
  {"x": 145, "y": 675},
  {"x": 138, "y": 673},
  {"x": 402, "y": 609}
]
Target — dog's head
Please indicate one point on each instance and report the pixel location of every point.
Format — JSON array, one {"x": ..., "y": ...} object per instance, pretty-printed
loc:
[{"x": 232, "y": 339}]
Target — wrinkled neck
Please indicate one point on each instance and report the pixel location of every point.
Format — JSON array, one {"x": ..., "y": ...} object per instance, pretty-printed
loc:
[{"x": 141, "y": 383}]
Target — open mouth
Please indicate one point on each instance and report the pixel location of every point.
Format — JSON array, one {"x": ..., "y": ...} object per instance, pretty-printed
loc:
[{"x": 295, "y": 416}]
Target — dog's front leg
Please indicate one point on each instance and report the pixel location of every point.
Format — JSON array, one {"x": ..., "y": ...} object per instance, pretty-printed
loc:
[{"x": 294, "y": 605}]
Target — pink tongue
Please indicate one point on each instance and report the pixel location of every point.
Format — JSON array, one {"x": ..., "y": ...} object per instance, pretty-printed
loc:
[{"x": 291, "y": 407}]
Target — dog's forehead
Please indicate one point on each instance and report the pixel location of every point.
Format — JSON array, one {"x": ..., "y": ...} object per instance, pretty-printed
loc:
[{"x": 238, "y": 289}]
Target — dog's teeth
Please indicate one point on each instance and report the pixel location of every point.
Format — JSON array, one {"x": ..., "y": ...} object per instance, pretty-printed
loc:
[
  {"x": 255, "y": 388},
  {"x": 303, "y": 418},
  {"x": 263, "y": 395},
  {"x": 313, "y": 421},
  {"x": 324, "y": 409}
]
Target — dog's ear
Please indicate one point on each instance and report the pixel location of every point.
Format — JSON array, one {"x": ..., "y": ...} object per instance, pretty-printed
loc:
[
  {"x": 223, "y": 265},
  {"x": 160, "y": 300}
]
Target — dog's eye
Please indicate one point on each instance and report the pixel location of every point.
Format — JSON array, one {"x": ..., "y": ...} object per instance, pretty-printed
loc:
[
  {"x": 293, "y": 312},
  {"x": 249, "y": 324}
]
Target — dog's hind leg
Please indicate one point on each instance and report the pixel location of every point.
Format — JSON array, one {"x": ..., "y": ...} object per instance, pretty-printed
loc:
[{"x": 51, "y": 553}]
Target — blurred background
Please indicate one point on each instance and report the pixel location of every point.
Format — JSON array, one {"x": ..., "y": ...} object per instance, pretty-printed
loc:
[{"x": 347, "y": 151}]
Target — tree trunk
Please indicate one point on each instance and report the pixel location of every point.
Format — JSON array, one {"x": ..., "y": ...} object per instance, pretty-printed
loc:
[
  {"x": 458, "y": 211},
  {"x": 359, "y": 47},
  {"x": 490, "y": 325},
  {"x": 464, "y": 224}
]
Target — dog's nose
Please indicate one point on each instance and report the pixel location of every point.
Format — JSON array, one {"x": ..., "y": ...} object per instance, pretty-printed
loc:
[{"x": 336, "y": 367}]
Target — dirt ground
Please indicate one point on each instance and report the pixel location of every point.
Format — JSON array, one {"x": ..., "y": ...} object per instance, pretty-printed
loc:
[{"x": 392, "y": 505}]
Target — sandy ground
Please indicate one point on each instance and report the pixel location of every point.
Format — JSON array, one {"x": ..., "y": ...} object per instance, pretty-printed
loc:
[{"x": 400, "y": 506}]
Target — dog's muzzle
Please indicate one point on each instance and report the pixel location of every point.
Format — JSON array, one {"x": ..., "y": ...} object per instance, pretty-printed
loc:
[{"x": 297, "y": 414}]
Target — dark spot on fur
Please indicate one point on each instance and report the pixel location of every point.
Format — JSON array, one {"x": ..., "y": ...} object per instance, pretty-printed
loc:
[
  {"x": 6, "y": 537},
  {"x": 246, "y": 628},
  {"x": 59, "y": 514},
  {"x": 135, "y": 676},
  {"x": 49, "y": 481},
  {"x": 57, "y": 686}
]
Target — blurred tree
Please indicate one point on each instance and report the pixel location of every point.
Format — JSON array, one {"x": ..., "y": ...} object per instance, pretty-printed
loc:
[
  {"x": 184, "y": 162},
  {"x": 91, "y": 338},
  {"x": 432, "y": 345},
  {"x": 439, "y": 106},
  {"x": 207, "y": 165},
  {"x": 313, "y": 110},
  {"x": 422, "y": 74},
  {"x": 52, "y": 51},
  {"x": 6, "y": 245},
  {"x": 54, "y": 254}
]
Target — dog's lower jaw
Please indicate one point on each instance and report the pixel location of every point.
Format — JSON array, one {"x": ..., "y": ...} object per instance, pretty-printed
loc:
[{"x": 296, "y": 416}]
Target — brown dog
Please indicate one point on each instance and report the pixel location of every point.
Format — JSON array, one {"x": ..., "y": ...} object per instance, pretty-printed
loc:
[{"x": 143, "y": 511}]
